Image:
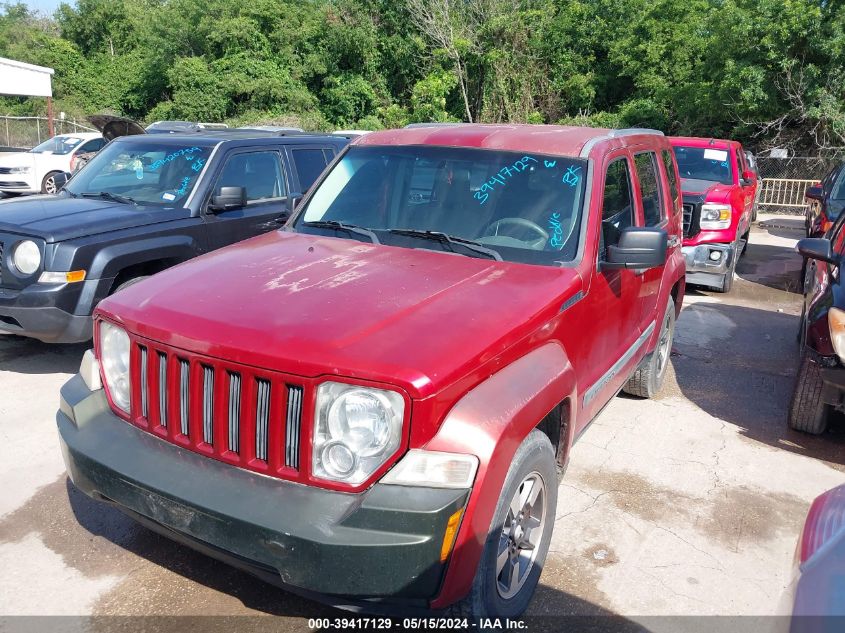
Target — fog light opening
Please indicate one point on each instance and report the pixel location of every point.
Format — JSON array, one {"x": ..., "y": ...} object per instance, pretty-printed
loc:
[
  {"x": 338, "y": 459},
  {"x": 715, "y": 256}
]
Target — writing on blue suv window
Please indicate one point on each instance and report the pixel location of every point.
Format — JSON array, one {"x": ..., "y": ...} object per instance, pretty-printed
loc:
[{"x": 148, "y": 172}]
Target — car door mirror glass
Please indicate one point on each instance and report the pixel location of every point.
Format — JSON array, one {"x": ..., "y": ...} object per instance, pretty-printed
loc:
[
  {"x": 638, "y": 248},
  {"x": 814, "y": 193},
  {"x": 228, "y": 199},
  {"x": 817, "y": 248}
]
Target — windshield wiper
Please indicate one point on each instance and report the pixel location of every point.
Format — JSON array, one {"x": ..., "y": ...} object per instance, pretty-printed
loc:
[
  {"x": 343, "y": 226},
  {"x": 107, "y": 195},
  {"x": 450, "y": 240}
]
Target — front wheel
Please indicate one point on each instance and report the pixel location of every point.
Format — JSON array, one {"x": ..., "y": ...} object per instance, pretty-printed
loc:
[
  {"x": 519, "y": 537},
  {"x": 647, "y": 380},
  {"x": 807, "y": 411},
  {"x": 48, "y": 184}
]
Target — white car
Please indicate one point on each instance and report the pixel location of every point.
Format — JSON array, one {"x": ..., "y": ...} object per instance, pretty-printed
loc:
[{"x": 33, "y": 171}]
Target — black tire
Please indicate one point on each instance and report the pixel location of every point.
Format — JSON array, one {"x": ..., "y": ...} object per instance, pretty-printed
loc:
[
  {"x": 754, "y": 213},
  {"x": 48, "y": 184},
  {"x": 807, "y": 412},
  {"x": 648, "y": 377},
  {"x": 535, "y": 457},
  {"x": 129, "y": 282}
]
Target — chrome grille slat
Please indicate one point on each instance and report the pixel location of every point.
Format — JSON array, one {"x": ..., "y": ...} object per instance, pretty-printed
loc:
[
  {"x": 162, "y": 389},
  {"x": 145, "y": 383},
  {"x": 234, "y": 411},
  {"x": 262, "y": 418},
  {"x": 293, "y": 424},
  {"x": 208, "y": 405},
  {"x": 184, "y": 374}
]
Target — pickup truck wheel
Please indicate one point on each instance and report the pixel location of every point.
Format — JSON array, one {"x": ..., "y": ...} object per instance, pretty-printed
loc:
[
  {"x": 647, "y": 380},
  {"x": 519, "y": 537},
  {"x": 807, "y": 412}
]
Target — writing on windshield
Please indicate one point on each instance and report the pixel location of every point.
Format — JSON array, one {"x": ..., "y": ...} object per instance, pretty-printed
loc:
[{"x": 148, "y": 172}]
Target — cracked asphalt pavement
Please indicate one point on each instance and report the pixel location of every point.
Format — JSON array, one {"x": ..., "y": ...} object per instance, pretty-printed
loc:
[{"x": 687, "y": 504}]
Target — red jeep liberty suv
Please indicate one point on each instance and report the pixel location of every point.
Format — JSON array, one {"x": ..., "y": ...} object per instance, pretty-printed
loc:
[
  {"x": 719, "y": 190},
  {"x": 373, "y": 405}
]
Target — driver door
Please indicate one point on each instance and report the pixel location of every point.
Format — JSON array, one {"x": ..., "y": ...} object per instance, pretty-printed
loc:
[
  {"x": 262, "y": 174},
  {"x": 614, "y": 294}
]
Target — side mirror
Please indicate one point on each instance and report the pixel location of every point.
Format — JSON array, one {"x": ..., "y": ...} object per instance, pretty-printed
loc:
[
  {"x": 817, "y": 248},
  {"x": 748, "y": 178},
  {"x": 639, "y": 248},
  {"x": 60, "y": 179},
  {"x": 229, "y": 199},
  {"x": 293, "y": 201},
  {"x": 814, "y": 193}
]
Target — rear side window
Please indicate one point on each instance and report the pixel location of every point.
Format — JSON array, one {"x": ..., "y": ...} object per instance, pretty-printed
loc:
[
  {"x": 669, "y": 164},
  {"x": 646, "y": 164},
  {"x": 309, "y": 164},
  {"x": 617, "y": 211}
]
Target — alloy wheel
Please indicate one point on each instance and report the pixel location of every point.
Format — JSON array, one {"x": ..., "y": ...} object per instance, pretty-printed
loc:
[{"x": 521, "y": 533}]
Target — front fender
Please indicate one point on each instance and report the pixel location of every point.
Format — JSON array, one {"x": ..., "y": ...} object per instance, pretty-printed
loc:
[
  {"x": 490, "y": 422},
  {"x": 109, "y": 261}
]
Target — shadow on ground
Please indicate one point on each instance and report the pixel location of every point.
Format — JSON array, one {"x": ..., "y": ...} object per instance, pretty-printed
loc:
[
  {"x": 738, "y": 364},
  {"x": 28, "y": 356}
]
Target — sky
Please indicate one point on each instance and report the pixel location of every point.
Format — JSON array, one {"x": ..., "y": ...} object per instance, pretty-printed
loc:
[{"x": 46, "y": 6}]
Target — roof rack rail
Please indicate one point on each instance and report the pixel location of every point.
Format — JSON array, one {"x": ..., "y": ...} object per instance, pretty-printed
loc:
[
  {"x": 630, "y": 131},
  {"x": 434, "y": 124}
]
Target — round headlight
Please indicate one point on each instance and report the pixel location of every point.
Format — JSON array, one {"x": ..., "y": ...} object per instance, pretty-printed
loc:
[
  {"x": 26, "y": 257},
  {"x": 357, "y": 430},
  {"x": 114, "y": 357},
  {"x": 361, "y": 418}
]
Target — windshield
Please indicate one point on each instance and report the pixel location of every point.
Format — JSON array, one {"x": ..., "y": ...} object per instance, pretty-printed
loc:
[
  {"x": 525, "y": 208},
  {"x": 704, "y": 163},
  {"x": 149, "y": 172},
  {"x": 57, "y": 145}
]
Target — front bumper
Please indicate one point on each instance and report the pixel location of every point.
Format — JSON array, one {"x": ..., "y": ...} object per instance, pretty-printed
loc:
[
  {"x": 17, "y": 183},
  {"x": 351, "y": 550},
  {"x": 53, "y": 313},
  {"x": 705, "y": 271}
]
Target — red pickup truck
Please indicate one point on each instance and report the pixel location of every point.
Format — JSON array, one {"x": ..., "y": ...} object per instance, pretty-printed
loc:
[
  {"x": 373, "y": 406},
  {"x": 719, "y": 191}
]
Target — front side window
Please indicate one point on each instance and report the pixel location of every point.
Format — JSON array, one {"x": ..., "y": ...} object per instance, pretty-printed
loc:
[
  {"x": 260, "y": 173},
  {"x": 838, "y": 191},
  {"x": 515, "y": 206},
  {"x": 617, "y": 212},
  {"x": 704, "y": 163},
  {"x": 653, "y": 210},
  {"x": 146, "y": 172},
  {"x": 57, "y": 145},
  {"x": 94, "y": 145}
]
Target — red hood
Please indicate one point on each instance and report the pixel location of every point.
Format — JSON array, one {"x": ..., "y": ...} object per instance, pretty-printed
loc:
[{"x": 319, "y": 306}]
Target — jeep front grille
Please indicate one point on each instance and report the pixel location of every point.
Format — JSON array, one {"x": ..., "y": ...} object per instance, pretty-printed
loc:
[{"x": 238, "y": 414}]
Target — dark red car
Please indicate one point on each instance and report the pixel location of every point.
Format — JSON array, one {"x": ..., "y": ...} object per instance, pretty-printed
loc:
[
  {"x": 373, "y": 406},
  {"x": 719, "y": 190}
]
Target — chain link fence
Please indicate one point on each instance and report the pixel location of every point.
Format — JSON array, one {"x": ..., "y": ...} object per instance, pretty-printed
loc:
[
  {"x": 784, "y": 181},
  {"x": 25, "y": 132}
]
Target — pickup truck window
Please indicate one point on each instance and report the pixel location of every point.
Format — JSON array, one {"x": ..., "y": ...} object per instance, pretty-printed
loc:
[
  {"x": 617, "y": 211},
  {"x": 523, "y": 207},
  {"x": 838, "y": 190},
  {"x": 654, "y": 210},
  {"x": 149, "y": 172},
  {"x": 704, "y": 163},
  {"x": 260, "y": 173}
]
